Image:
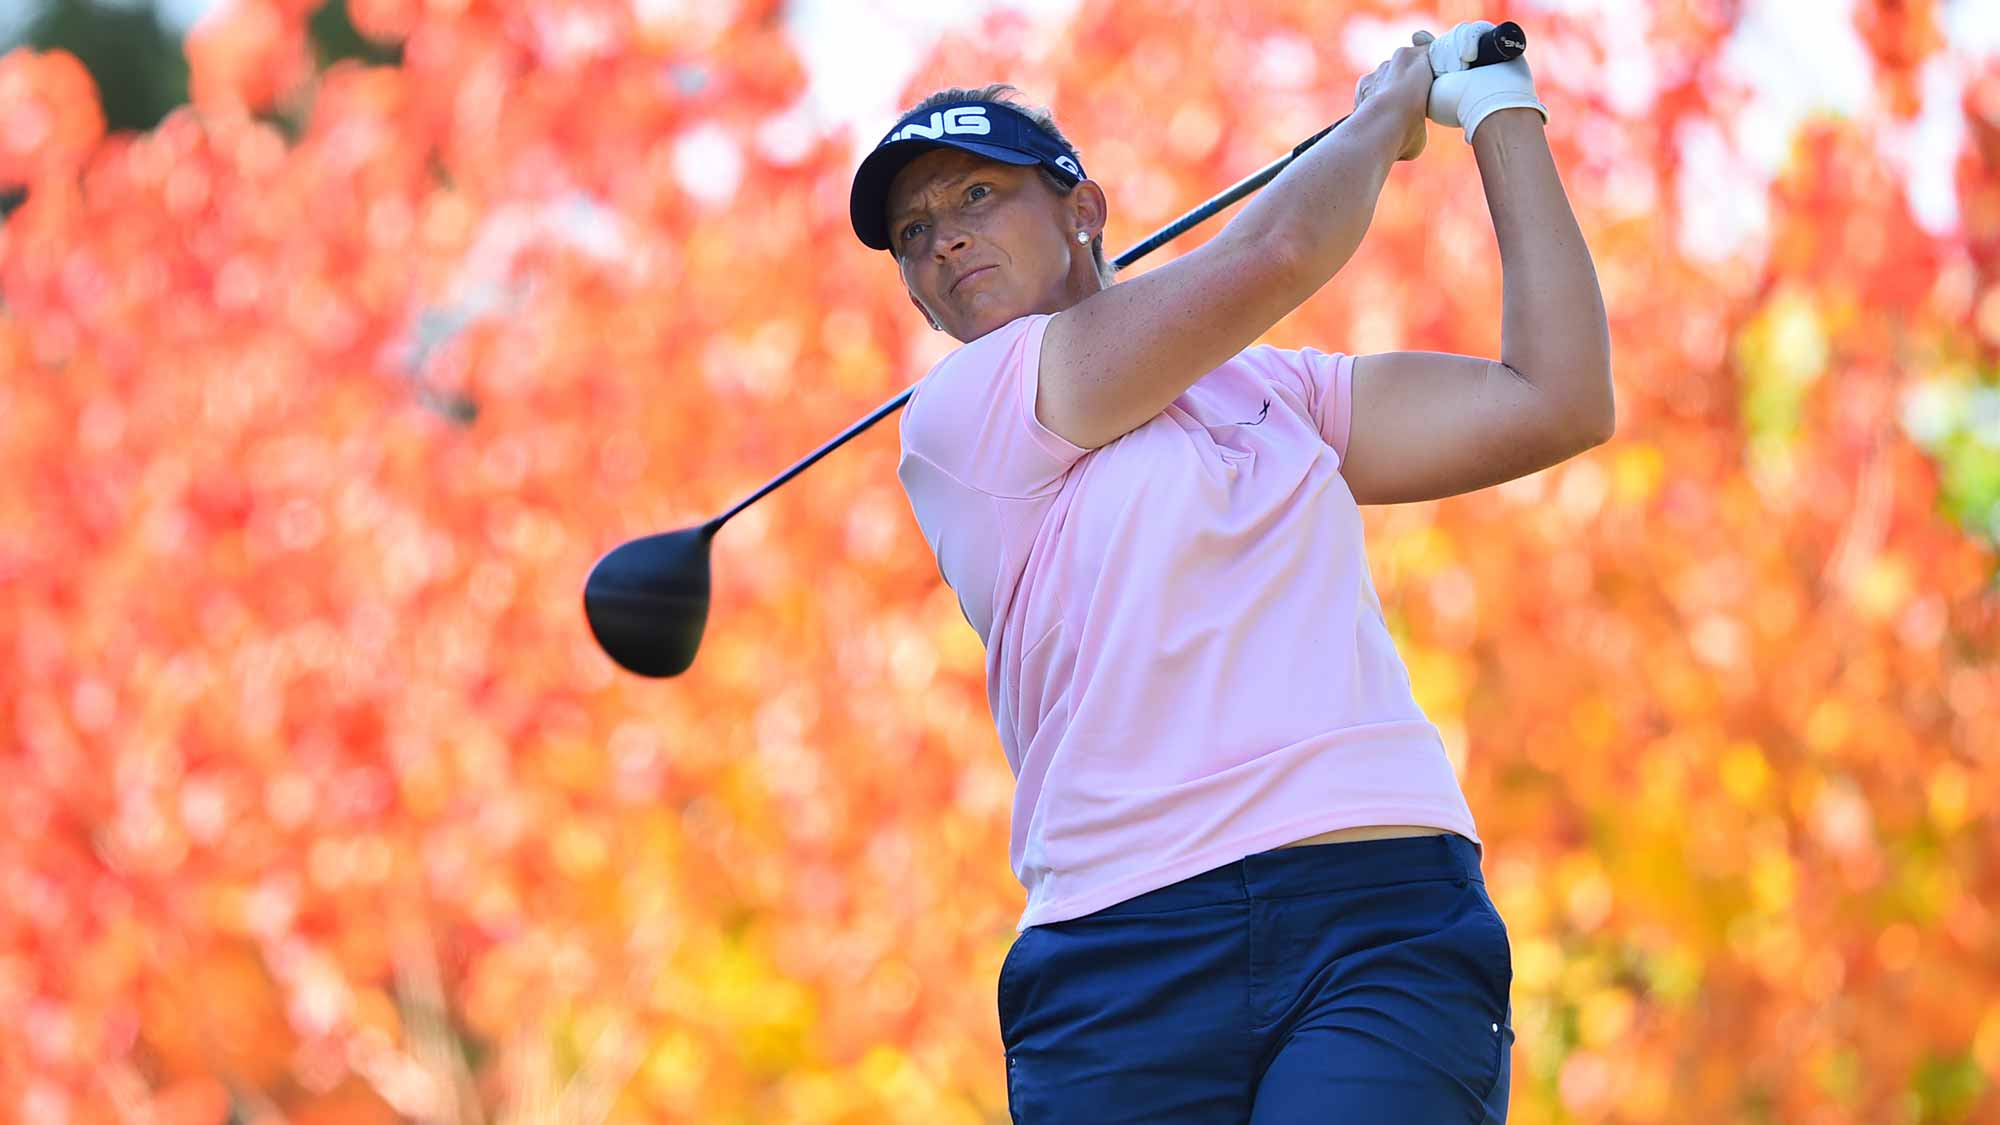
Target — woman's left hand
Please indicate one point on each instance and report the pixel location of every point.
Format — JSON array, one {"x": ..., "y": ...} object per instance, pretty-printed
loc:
[{"x": 1465, "y": 95}]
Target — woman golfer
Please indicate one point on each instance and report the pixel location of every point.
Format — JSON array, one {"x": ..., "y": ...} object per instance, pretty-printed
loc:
[{"x": 1254, "y": 887}]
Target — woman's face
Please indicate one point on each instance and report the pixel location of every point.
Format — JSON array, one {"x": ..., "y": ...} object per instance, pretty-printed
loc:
[{"x": 981, "y": 243}]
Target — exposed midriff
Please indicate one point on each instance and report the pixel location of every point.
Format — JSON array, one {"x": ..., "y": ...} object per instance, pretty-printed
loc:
[{"x": 1367, "y": 832}]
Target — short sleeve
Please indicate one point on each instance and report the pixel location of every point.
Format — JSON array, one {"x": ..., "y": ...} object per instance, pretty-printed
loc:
[
  {"x": 1323, "y": 382},
  {"x": 973, "y": 416}
]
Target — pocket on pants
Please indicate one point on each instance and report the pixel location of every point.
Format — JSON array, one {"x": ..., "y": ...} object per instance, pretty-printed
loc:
[
  {"x": 1008, "y": 992},
  {"x": 1495, "y": 949},
  {"x": 1009, "y": 997}
]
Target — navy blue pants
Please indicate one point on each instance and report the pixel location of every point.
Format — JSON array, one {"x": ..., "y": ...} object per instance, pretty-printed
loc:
[{"x": 1362, "y": 982}]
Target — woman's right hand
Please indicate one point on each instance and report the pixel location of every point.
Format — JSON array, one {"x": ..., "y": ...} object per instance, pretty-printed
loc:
[{"x": 1400, "y": 89}]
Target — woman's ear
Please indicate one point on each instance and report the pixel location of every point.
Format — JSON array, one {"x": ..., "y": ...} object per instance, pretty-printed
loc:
[{"x": 1089, "y": 207}]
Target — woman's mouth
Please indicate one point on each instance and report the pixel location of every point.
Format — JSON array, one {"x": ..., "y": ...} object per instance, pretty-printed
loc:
[{"x": 968, "y": 276}]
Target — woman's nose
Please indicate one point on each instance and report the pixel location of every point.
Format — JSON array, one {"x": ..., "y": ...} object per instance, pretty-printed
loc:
[{"x": 949, "y": 240}]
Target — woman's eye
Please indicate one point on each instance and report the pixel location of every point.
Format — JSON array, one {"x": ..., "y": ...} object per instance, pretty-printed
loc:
[
  {"x": 910, "y": 231},
  {"x": 980, "y": 188}
]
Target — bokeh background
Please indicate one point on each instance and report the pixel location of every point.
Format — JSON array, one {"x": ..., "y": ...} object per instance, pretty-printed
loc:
[{"x": 340, "y": 339}]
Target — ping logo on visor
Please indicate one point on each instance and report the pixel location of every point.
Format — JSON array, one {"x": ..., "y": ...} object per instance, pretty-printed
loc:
[
  {"x": 964, "y": 120},
  {"x": 993, "y": 130}
]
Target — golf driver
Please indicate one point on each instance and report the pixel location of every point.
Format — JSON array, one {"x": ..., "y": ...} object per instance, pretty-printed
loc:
[{"x": 647, "y": 599}]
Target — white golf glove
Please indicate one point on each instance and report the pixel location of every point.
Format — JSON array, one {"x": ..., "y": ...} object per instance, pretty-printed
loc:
[{"x": 1465, "y": 96}]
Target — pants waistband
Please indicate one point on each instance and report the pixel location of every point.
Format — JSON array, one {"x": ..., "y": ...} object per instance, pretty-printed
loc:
[{"x": 1314, "y": 869}]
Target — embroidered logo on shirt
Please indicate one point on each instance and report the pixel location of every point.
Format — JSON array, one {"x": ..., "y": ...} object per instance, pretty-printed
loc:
[{"x": 1260, "y": 417}]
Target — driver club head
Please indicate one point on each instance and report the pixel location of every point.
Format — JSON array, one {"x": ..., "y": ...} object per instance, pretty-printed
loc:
[{"x": 647, "y": 600}]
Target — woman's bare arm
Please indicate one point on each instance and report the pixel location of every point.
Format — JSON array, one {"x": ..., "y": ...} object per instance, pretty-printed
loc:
[
  {"x": 1117, "y": 358},
  {"x": 1428, "y": 424}
]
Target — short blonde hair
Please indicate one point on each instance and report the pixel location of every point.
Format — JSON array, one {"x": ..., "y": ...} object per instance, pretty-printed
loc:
[{"x": 1007, "y": 95}]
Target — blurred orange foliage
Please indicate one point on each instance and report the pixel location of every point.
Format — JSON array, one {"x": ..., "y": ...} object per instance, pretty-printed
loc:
[
  {"x": 322, "y": 806},
  {"x": 53, "y": 120}
]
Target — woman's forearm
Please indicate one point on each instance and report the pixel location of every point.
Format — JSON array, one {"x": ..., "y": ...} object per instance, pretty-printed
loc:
[
  {"x": 1316, "y": 211},
  {"x": 1553, "y": 329}
]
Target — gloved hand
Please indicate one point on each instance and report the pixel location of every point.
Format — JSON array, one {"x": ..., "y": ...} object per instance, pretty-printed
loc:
[{"x": 1465, "y": 96}]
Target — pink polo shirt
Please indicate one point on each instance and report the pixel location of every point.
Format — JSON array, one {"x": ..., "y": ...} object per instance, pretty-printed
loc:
[{"x": 1185, "y": 657}]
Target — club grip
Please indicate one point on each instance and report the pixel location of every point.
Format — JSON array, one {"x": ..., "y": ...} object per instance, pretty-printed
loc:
[{"x": 1499, "y": 44}]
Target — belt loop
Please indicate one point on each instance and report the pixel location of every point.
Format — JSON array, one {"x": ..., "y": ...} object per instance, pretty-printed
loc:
[{"x": 1242, "y": 869}]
